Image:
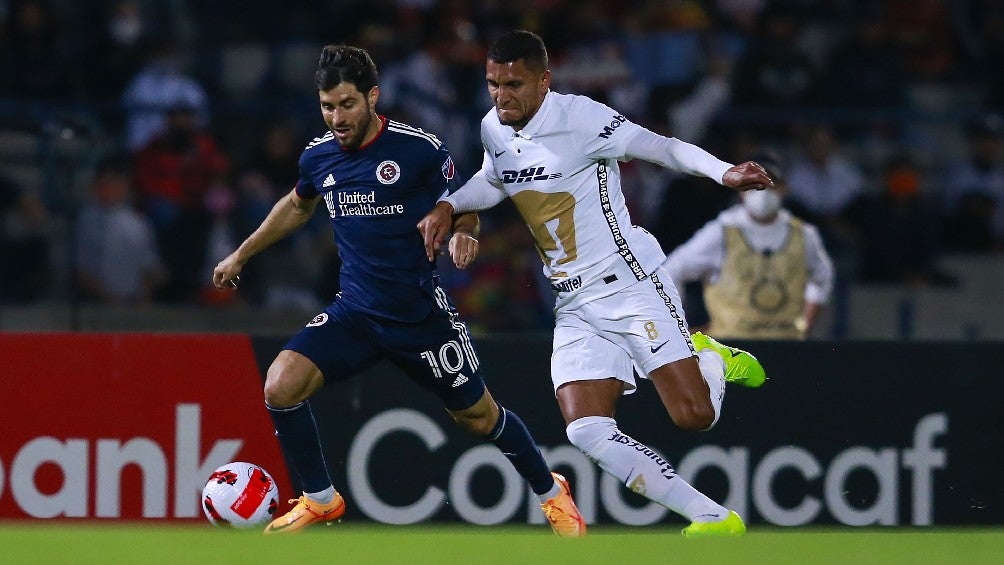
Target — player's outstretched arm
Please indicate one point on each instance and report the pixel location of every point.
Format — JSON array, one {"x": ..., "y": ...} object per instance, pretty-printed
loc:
[
  {"x": 747, "y": 176},
  {"x": 288, "y": 214},
  {"x": 464, "y": 244}
]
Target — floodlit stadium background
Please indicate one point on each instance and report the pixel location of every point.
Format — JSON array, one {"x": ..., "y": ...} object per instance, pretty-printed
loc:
[{"x": 902, "y": 92}]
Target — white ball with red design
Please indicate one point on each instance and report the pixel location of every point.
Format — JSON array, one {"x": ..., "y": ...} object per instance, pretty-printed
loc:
[{"x": 240, "y": 495}]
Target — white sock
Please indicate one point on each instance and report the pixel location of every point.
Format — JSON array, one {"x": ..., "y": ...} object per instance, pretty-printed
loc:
[
  {"x": 555, "y": 489},
  {"x": 641, "y": 469},
  {"x": 713, "y": 370},
  {"x": 323, "y": 497}
]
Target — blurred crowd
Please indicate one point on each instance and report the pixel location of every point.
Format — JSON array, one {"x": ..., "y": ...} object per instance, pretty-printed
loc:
[{"x": 887, "y": 115}]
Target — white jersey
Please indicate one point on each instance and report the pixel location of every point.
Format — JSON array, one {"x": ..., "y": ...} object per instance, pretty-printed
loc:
[{"x": 561, "y": 170}]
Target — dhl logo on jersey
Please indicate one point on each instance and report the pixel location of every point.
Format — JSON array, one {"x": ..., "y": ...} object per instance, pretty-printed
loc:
[{"x": 526, "y": 175}]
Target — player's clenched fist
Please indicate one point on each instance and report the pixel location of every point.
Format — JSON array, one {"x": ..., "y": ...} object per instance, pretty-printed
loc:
[
  {"x": 228, "y": 272},
  {"x": 463, "y": 249},
  {"x": 747, "y": 176},
  {"x": 435, "y": 226}
]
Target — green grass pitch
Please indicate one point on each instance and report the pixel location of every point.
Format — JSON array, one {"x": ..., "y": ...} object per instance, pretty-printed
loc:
[{"x": 353, "y": 544}]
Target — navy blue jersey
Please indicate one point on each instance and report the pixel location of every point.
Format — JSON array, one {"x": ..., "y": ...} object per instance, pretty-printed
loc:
[{"x": 375, "y": 197}]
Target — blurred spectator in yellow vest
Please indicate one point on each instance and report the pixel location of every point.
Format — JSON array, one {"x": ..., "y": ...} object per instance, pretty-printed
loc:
[{"x": 765, "y": 272}]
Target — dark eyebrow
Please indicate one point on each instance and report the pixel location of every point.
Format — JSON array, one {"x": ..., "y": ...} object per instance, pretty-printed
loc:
[{"x": 510, "y": 82}]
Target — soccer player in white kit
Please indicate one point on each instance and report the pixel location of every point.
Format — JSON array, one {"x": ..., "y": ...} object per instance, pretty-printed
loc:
[{"x": 555, "y": 155}]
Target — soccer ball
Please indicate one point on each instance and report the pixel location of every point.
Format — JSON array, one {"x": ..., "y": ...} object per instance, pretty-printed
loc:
[{"x": 240, "y": 495}]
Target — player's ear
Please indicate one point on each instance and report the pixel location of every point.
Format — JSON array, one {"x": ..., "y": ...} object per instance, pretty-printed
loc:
[
  {"x": 373, "y": 95},
  {"x": 545, "y": 81}
]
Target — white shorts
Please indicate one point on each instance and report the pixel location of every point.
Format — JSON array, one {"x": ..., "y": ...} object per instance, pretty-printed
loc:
[{"x": 641, "y": 327}]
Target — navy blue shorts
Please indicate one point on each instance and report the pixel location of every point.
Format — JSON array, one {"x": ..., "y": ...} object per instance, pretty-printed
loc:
[{"x": 437, "y": 353}]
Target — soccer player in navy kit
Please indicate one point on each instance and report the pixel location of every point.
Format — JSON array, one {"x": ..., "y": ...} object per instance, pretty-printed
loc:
[{"x": 377, "y": 179}]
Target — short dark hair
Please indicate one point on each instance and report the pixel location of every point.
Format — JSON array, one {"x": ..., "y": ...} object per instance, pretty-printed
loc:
[
  {"x": 344, "y": 63},
  {"x": 519, "y": 44}
]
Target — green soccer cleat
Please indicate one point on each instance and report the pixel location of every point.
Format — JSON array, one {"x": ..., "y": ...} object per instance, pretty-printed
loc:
[
  {"x": 732, "y": 525},
  {"x": 741, "y": 367}
]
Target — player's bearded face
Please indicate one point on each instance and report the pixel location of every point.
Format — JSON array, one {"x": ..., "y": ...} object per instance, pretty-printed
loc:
[
  {"x": 349, "y": 114},
  {"x": 516, "y": 90}
]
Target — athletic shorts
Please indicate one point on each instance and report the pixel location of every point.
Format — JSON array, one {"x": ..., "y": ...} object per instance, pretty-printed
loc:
[
  {"x": 640, "y": 327},
  {"x": 437, "y": 353}
]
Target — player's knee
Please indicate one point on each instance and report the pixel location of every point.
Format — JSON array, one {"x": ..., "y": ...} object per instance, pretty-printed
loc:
[
  {"x": 480, "y": 419},
  {"x": 590, "y": 432},
  {"x": 695, "y": 416},
  {"x": 481, "y": 426},
  {"x": 274, "y": 394},
  {"x": 281, "y": 390},
  {"x": 291, "y": 379}
]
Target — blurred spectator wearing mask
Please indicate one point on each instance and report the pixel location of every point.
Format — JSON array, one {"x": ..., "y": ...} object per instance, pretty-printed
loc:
[
  {"x": 116, "y": 256},
  {"x": 765, "y": 272},
  {"x": 175, "y": 172}
]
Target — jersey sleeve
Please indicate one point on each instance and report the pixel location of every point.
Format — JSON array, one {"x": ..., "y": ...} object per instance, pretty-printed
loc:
[
  {"x": 675, "y": 154},
  {"x": 480, "y": 192},
  {"x": 600, "y": 131},
  {"x": 304, "y": 186},
  {"x": 483, "y": 190},
  {"x": 441, "y": 177}
]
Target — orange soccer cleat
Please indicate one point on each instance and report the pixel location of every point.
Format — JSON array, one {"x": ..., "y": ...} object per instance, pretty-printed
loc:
[
  {"x": 305, "y": 513},
  {"x": 562, "y": 513}
]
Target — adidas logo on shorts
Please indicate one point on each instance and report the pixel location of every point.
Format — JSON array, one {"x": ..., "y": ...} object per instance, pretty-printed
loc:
[{"x": 461, "y": 379}]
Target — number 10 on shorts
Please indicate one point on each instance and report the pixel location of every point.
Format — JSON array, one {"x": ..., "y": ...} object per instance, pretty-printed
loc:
[{"x": 450, "y": 358}]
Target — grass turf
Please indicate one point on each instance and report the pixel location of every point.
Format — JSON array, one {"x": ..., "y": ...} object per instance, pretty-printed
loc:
[{"x": 481, "y": 545}]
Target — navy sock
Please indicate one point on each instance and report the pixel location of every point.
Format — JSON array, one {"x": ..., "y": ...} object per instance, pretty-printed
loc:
[
  {"x": 513, "y": 440},
  {"x": 297, "y": 432}
]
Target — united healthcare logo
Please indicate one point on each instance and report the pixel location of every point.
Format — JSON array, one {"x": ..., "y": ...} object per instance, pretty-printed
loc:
[{"x": 346, "y": 203}]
